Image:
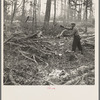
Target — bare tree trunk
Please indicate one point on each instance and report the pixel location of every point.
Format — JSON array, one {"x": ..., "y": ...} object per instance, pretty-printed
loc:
[
  {"x": 61, "y": 8},
  {"x": 47, "y": 14},
  {"x": 13, "y": 14},
  {"x": 79, "y": 13},
  {"x": 65, "y": 11},
  {"x": 12, "y": 7},
  {"x": 34, "y": 21},
  {"x": 81, "y": 10},
  {"x": 33, "y": 24},
  {"x": 91, "y": 13},
  {"x": 75, "y": 10},
  {"x": 31, "y": 9},
  {"x": 23, "y": 11},
  {"x": 35, "y": 5},
  {"x": 54, "y": 20},
  {"x": 86, "y": 15},
  {"x": 39, "y": 9},
  {"x": 68, "y": 10},
  {"x": 5, "y": 11}
]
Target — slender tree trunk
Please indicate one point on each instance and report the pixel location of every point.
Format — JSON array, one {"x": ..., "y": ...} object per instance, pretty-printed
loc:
[
  {"x": 86, "y": 15},
  {"x": 47, "y": 14},
  {"x": 39, "y": 10},
  {"x": 65, "y": 11},
  {"x": 54, "y": 20},
  {"x": 23, "y": 11},
  {"x": 79, "y": 14},
  {"x": 75, "y": 11},
  {"x": 34, "y": 21},
  {"x": 81, "y": 10},
  {"x": 90, "y": 16},
  {"x": 35, "y": 5},
  {"x": 5, "y": 11},
  {"x": 12, "y": 7},
  {"x": 13, "y": 14},
  {"x": 31, "y": 10},
  {"x": 61, "y": 8},
  {"x": 68, "y": 10}
]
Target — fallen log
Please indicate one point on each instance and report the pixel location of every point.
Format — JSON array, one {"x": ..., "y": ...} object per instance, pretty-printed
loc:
[{"x": 87, "y": 36}]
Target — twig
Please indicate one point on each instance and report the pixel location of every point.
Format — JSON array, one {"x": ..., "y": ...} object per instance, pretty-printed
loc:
[
  {"x": 8, "y": 39},
  {"x": 43, "y": 61},
  {"x": 34, "y": 59},
  {"x": 76, "y": 79},
  {"x": 11, "y": 78},
  {"x": 44, "y": 52},
  {"x": 28, "y": 57},
  {"x": 16, "y": 44}
]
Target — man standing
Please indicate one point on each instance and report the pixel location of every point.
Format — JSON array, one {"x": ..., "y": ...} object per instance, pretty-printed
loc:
[{"x": 76, "y": 38}]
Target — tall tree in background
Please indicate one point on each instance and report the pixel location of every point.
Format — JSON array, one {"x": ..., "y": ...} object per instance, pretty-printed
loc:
[
  {"x": 23, "y": 11},
  {"x": 91, "y": 10},
  {"x": 39, "y": 10},
  {"x": 86, "y": 12},
  {"x": 12, "y": 5},
  {"x": 61, "y": 8},
  {"x": 35, "y": 14},
  {"x": 65, "y": 11},
  {"x": 47, "y": 14},
  {"x": 34, "y": 21},
  {"x": 14, "y": 11},
  {"x": 54, "y": 20},
  {"x": 75, "y": 12},
  {"x": 31, "y": 9},
  {"x": 68, "y": 10},
  {"x": 80, "y": 10},
  {"x": 6, "y": 5}
]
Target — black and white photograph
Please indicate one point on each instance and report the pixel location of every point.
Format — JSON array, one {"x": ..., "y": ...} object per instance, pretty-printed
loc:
[{"x": 49, "y": 42}]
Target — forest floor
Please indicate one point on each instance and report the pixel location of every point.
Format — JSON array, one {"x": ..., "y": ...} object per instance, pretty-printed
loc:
[{"x": 47, "y": 60}]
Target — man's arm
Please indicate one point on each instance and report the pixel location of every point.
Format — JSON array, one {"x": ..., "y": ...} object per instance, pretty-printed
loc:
[
  {"x": 68, "y": 28},
  {"x": 59, "y": 35}
]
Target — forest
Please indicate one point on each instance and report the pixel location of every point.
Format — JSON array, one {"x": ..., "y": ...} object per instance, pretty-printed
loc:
[{"x": 33, "y": 52}]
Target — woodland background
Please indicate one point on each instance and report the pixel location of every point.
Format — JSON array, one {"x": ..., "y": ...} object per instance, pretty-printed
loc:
[{"x": 33, "y": 55}]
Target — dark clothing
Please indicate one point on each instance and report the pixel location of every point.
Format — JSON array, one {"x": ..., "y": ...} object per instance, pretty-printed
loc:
[
  {"x": 76, "y": 40},
  {"x": 76, "y": 43}
]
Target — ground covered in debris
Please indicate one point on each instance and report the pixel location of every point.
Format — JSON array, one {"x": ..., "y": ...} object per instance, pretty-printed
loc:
[{"x": 47, "y": 60}]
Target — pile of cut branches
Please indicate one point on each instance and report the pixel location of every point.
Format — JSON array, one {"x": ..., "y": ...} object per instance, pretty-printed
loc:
[{"x": 30, "y": 60}]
